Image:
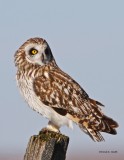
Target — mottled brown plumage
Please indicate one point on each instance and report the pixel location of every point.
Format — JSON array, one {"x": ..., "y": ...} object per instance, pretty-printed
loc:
[{"x": 55, "y": 95}]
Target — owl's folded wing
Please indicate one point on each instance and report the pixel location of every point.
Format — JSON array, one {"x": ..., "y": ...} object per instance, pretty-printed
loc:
[{"x": 59, "y": 91}]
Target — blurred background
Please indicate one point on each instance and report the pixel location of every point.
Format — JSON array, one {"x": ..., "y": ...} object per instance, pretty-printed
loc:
[{"x": 87, "y": 41}]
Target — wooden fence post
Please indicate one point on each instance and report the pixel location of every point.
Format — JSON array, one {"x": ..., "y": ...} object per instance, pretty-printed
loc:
[{"x": 47, "y": 145}]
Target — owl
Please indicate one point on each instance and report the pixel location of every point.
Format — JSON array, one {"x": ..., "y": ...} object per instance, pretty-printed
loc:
[{"x": 55, "y": 95}]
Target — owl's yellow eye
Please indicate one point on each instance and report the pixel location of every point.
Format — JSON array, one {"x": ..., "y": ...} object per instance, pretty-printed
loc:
[{"x": 33, "y": 51}]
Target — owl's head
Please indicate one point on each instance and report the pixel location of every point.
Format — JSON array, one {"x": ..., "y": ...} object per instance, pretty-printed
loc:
[{"x": 34, "y": 51}]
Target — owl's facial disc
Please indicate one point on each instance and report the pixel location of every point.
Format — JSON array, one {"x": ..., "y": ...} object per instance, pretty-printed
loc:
[{"x": 38, "y": 54}]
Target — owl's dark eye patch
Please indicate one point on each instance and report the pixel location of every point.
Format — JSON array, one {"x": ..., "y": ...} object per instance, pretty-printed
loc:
[
  {"x": 33, "y": 51},
  {"x": 48, "y": 54},
  {"x": 47, "y": 51}
]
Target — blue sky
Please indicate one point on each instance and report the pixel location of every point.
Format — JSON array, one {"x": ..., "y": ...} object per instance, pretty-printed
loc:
[{"x": 87, "y": 41}]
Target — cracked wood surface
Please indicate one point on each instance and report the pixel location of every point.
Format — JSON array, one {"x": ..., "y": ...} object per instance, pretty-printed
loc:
[{"x": 47, "y": 145}]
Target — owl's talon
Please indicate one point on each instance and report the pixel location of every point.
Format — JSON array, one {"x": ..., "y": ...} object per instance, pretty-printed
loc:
[{"x": 45, "y": 130}]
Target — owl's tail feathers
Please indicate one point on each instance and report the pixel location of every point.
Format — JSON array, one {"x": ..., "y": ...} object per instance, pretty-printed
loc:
[
  {"x": 95, "y": 135},
  {"x": 108, "y": 125}
]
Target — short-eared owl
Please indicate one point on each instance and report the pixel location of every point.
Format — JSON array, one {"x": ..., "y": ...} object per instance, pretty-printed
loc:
[{"x": 55, "y": 95}]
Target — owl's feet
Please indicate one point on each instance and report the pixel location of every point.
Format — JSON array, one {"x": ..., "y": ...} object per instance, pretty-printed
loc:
[
  {"x": 48, "y": 129},
  {"x": 51, "y": 127},
  {"x": 44, "y": 130}
]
